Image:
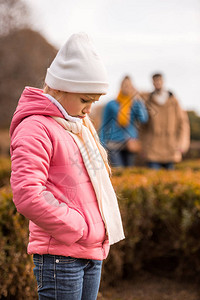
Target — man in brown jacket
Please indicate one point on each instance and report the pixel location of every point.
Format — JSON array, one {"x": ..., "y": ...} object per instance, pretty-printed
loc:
[{"x": 167, "y": 133}]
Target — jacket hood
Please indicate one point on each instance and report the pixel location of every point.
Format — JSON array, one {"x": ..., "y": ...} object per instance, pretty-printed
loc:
[{"x": 33, "y": 102}]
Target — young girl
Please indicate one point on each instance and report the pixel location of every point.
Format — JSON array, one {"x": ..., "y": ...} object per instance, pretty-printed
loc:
[{"x": 60, "y": 175}]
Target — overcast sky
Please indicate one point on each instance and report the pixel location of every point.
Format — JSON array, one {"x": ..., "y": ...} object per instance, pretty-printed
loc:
[{"x": 133, "y": 37}]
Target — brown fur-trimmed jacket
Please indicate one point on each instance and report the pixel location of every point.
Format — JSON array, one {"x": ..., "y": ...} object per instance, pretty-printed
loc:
[{"x": 167, "y": 133}]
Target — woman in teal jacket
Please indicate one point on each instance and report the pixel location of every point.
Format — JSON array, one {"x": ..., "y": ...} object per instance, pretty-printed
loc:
[{"x": 120, "y": 124}]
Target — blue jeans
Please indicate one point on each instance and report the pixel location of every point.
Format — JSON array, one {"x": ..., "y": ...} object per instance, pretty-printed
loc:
[
  {"x": 157, "y": 165},
  {"x": 121, "y": 158},
  {"x": 66, "y": 278}
]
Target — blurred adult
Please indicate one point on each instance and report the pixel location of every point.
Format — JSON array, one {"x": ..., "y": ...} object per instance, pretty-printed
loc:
[
  {"x": 166, "y": 135},
  {"x": 119, "y": 131}
]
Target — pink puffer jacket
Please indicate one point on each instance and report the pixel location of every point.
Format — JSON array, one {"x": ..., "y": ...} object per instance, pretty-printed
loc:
[{"x": 51, "y": 186}]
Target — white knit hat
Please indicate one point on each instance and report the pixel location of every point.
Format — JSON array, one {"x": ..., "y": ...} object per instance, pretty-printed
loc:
[{"x": 77, "y": 68}]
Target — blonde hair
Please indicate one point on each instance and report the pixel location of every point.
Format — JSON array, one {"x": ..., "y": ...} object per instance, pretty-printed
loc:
[{"x": 48, "y": 90}]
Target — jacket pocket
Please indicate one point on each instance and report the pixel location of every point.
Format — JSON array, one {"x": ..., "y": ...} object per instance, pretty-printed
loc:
[
  {"x": 85, "y": 232},
  {"x": 96, "y": 234}
]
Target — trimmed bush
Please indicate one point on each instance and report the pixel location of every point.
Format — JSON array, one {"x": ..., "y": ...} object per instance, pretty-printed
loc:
[
  {"x": 161, "y": 217},
  {"x": 17, "y": 279},
  {"x": 5, "y": 167}
]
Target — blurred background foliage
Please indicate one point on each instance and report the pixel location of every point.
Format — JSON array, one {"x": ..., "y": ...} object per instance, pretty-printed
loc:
[
  {"x": 14, "y": 15},
  {"x": 194, "y": 125}
]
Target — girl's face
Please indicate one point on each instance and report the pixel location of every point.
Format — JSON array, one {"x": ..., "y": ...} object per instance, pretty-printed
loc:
[{"x": 77, "y": 105}]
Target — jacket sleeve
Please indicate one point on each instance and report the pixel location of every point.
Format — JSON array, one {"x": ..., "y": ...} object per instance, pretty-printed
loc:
[
  {"x": 140, "y": 112},
  {"x": 183, "y": 130},
  {"x": 31, "y": 157}
]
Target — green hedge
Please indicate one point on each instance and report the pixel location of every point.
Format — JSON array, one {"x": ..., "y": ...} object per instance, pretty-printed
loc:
[
  {"x": 161, "y": 217},
  {"x": 5, "y": 167},
  {"x": 17, "y": 280}
]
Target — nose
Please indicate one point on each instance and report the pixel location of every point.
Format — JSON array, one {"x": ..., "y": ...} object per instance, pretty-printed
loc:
[{"x": 87, "y": 109}]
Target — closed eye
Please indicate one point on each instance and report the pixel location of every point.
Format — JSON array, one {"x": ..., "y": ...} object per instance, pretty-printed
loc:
[{"x": 84, "y": 101}]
